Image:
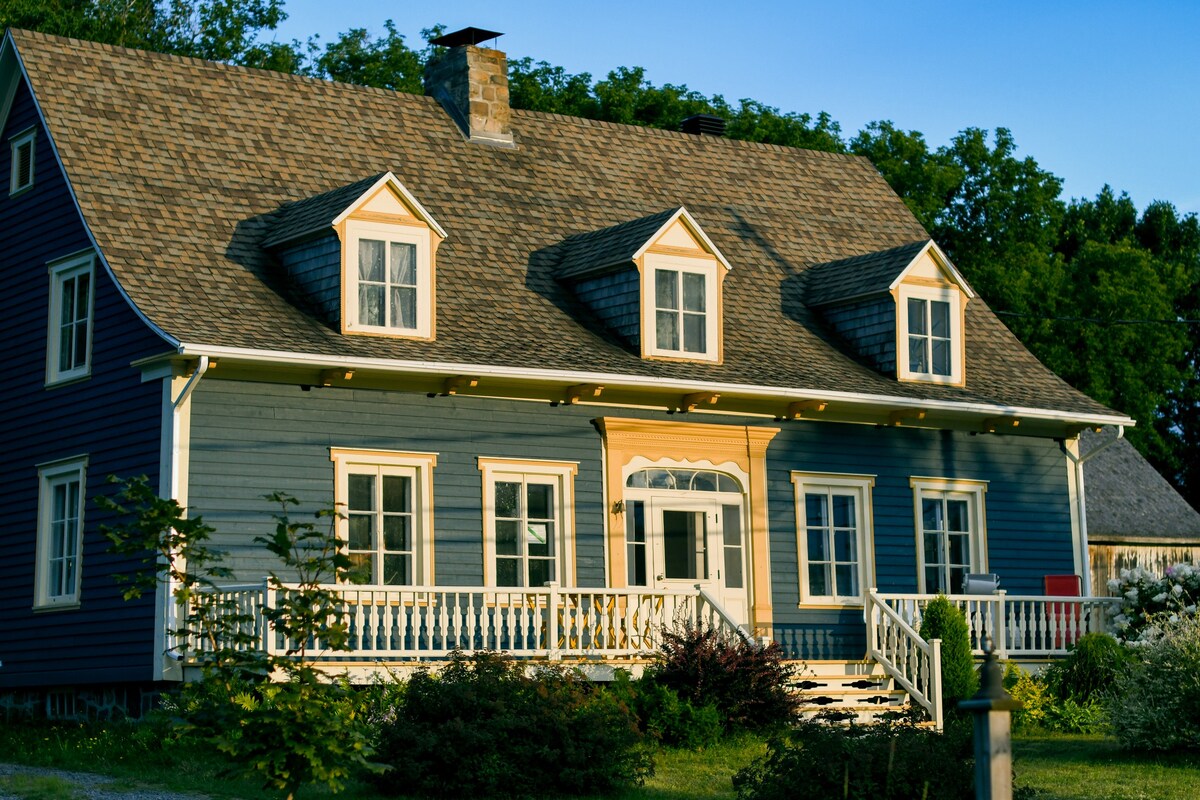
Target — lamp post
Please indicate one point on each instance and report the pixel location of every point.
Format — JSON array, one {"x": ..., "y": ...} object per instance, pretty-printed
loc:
[{"x": 992, "y": 708}]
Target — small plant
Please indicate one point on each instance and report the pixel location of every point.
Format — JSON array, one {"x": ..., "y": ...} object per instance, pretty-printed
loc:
[
  {"x": 1090, "y": 669},
  {"x": 941, "y": 619},
  {"x": 484, "y": 728},
  {"x": 39, "y": 787},
  {"x": 666, "y": 717},
  {"x": 746, "y": 681},
  {"x": 1155, "y": 703},
  {"x": 886, "y": 761}
]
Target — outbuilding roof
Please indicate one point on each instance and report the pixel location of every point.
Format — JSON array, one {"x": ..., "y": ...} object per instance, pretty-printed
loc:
[
  {"x": 1127, "y": 500},
  {"x": 182, "y": 168}
]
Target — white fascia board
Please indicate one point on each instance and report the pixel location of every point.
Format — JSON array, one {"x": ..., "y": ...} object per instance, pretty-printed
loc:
[
  {"x": 442, "y": 368},
  {"x": 944, "y": 260},
  {"x": 694, "y": 227},
  {"x": 391, "y": 180},
  {"x": 9, "y": 50}
]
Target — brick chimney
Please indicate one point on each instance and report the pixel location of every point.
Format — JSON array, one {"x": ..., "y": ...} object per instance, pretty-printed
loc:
[{"x": 471, "y": 83}]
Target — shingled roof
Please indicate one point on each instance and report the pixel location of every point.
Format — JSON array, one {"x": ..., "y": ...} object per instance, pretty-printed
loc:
[
  {"x": 857, "y": 276},
  {"x": 179, "y": 166},
  {"x": 1127, "y": 500},
  {"x": 596, "y": 250}
]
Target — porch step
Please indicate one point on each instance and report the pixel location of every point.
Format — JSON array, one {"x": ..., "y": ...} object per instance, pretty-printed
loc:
[{"x": 843, "y": 692}]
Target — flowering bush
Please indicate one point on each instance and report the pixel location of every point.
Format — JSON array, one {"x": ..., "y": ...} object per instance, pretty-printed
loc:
[
  {"x": 1156, "y": 702},
  {"x": 1145, "y": 596}
]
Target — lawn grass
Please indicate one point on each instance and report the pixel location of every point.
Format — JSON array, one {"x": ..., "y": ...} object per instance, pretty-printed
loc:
[{"x": 1078, "y": 767}]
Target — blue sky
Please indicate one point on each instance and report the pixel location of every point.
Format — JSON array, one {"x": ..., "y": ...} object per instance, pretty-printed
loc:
[{"x": 1098, "y": 92}]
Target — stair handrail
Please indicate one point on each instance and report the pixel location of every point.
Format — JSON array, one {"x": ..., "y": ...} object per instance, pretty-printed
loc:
[
  {"x": 893, "y": 643},
  {"x": 726, "y": 618}
]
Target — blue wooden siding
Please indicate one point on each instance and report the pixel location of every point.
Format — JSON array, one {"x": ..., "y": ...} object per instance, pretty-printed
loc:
[
  {"x": 870, "y": 328},
  {"x": 112, "y": 417},
  {"x": 614, "y": 299},
  {"x": 316, "y": 268},
  {"x": 251, "y": 439}
]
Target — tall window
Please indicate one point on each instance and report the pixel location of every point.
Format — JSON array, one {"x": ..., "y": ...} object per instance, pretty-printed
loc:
[
  {"x": 68, "y": 346},
  {"x": 951, "y": 541},
  {"x": 389, "y": 280},
  {"x": 528, "y": 525},
  {"x": 21, "y": 175},
  {"x": 681, "y": 316},
  {"x": 834, "y": 536},
  {"x": 60, "y": 532},
  {"x": 386, "y": 499},
  {"x": 931, "y": 337}
]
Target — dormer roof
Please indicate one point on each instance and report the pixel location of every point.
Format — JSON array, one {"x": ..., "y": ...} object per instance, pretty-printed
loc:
[
  {"x": 622, "y": 244},
  {"x": 874, "y": 273}
]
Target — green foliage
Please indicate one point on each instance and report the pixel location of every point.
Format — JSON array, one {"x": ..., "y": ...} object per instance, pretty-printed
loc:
[
  {"x": 941, "y": 619},
  {"x": 665, "y": 717},
  {"x": 1090, "y": 669},
  {"x": 1156, "y": 701},
  {"x": 39, "y": 787},
  {"x": 886, "y": 761},
  {"x": 746, "y": 681},
  {"x": 385, "y": 62},
  {"x": 482, "y": 727}
]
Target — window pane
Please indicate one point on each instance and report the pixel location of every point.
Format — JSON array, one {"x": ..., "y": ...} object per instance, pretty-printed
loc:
[
  {"x": 727, "y": 484},
  {"x": 847, "y": 580},
  {"x": 397, "y": 493},
  {"x": 703, "y": 482},
  {"x": 666, "y": 286},
  {"x": 635, "y": 521},
  {"x": 960, "y": 549},
  {"x": 507, "y": 572},
  {"x": 931, "y": 515},
  {"x": 666, "y": 330},
  {"x": 362, "y": 570},
  {"x": 637, "y": 565},
  {"x": 82, "y": 285},
  {"x": 731, "y": 525},
  {"x": 539, "y": 538},
  {"x": 941, "y": 357},
  {"x": 815, "y": 510},
  {"x": 956, "y": 511},
  {"x": 818, "y": 582},
  {"x": 404, "y": 308},
  {"x": 681, "y": 537},
  {"x": 694, "y": 333},
  {"x": 843, "y": 511},
  {"x": 540, "y": 501},
  {"x": 844, "y": 546},
  {"x": 693, "y": 292},
  {"x": 404, "y": 264},
  {"x": 359, "y": 531},
  {"x": 540, "y": 571},
  {"x": 933, "y": 580},
  {"x": 916, "y": 316},
  {"x": 933, "y": 549},
  {"x": 66, "y": 348},
  {"x": 507, "y": 542},
  {"x": 396, "y": 570},
  {"x": 370, "y": 260},
  {"x": 918, "y": 354},
  {"x": 508, "y": 499},
  {"x": 817, "y": 546},
  {"x": 957, "y": 574},
  {"x": 67, "y": 312},
  {"x": 79, "y": 350},
  {"x": 370, "y": 304},
  {"x": 395, "y": 533},
  {"x": 733, "y": 567},
  {"x": 939, "y": 318},
  {"x": 362, "y": 493}
]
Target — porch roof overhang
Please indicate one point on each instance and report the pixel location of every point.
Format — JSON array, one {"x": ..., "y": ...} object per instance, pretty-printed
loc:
[{"x": 570, "y": 387}]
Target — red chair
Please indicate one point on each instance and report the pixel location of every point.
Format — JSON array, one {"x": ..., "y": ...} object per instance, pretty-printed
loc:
[{"x": 1063, "y": 586}]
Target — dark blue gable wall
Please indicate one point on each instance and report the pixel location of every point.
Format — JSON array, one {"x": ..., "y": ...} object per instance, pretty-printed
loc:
[
  {"x": 112, "y": 417},
  {"x": 250, "y": 439}
]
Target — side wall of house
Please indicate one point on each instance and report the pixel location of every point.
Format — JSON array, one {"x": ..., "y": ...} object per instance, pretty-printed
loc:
[
  {"x": 869, "y": 325},
  {"x": 111, "y": 417},
  {"x": 251, "y": 439}
]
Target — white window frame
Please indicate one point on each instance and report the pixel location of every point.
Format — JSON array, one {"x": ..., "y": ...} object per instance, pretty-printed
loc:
[
  {"x": 972, "y": 491},
  {"x": 61, "y": 271},
  {"x": 946, "y": 294},
  {"x": 712, "y": 310},
  {"x": 51, "y": 475},
  {"x": 418, "y": 467},
  {"x": 560, "y": 475},
  {"x": 26, "y": 138},
  {"x": 417, "y": 235},
  {"x": 851, "y": 485}
]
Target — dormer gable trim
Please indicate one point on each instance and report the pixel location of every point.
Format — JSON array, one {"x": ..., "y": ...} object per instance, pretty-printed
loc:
[
  {"x": 683, "y": 216},
  {"x": 390, "y": 181},
  {"x": 944, "y": 265}
]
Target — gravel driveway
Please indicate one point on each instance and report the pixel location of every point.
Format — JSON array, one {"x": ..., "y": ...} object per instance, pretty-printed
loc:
[{"x": 91, "y": 787}]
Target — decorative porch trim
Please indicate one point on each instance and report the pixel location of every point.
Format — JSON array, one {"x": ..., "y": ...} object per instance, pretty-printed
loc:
[{"x": 744, "y": 445}]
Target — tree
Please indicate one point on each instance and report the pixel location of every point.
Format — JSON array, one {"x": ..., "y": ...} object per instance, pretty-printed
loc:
[{"x": 385, "y": 62}]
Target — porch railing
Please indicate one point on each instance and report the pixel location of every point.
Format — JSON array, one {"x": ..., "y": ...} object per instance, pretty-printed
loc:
[
  {"x": 915, "y": 664},
  {"x": 1033, "y": 626},
  {"x": 552, "y": 622}
]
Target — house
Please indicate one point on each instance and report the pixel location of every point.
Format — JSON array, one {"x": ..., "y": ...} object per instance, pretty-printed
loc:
[
  {"x": 571, "y": 381},
  {"x": 1135, "y": 518}
]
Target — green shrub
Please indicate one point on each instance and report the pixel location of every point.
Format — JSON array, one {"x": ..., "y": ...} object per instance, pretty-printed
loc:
[
  {"x": 746, "y": 681},
  {"x": 941, "y": 619},
  {"x": 483, "y": 728},
  {"x": 666, "y": 717},
  {"x": 1033, "y": 693},
  {"x": 886, "y": 761},
  {"x": 1155, "y": 703},
  {"x": 1090, "y": 669},
  {"x": 1146, "y": 596}
]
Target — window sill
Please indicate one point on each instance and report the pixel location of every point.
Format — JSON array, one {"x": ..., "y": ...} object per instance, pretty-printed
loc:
[
  {"x": 51, "y": 607},
  {"x": 67, "y": 380},
  {"x": 825, "y": 604}
]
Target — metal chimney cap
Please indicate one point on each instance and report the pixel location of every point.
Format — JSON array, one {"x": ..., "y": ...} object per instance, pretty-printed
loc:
[{"x": 471, "y": 36}]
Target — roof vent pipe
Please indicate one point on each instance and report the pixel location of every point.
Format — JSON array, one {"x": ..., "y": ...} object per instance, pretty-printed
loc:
[{"x": 703, "y": 125}]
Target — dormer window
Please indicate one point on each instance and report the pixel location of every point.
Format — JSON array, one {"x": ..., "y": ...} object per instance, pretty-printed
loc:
[
  {"x": 21, "y": 171},
  {"x": 655, "y": 281},
  {"x": 929, "y": 318},
  {"x": 365, "y": 255}
]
